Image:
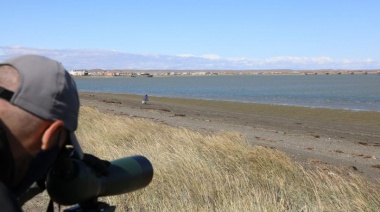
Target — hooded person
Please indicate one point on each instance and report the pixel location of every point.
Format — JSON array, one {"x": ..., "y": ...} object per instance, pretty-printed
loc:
[{"x": 39, "y": 108}]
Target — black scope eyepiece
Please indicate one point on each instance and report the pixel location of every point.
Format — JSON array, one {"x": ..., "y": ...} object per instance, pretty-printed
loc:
[{"x": 81, "y": 183}]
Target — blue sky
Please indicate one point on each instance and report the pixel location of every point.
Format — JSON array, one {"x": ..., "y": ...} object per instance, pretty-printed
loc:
[{"x": 299, "y": 34}]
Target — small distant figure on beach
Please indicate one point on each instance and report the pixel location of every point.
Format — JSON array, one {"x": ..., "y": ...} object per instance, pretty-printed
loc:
[{"x": 145, "y": 100}]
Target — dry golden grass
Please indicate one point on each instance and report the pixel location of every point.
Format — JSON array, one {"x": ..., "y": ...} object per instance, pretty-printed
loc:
[{"x": 217, "y": 172}]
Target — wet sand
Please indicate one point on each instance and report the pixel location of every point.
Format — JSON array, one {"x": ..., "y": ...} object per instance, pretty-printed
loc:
[{"x": 349, "y": 140}]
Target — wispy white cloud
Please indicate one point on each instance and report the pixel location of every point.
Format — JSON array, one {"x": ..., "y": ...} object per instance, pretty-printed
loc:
[
  {"x": 111, "y": 59},
  {"x": 205, "y": 56},
  {"x": 186, "y": 55},
  {"x": 211, "y": 56}
]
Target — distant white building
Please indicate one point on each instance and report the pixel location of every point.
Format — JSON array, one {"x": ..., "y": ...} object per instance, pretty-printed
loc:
[
  {"x": 78, "y": 72},
  {"x": 201, "y": 73}
]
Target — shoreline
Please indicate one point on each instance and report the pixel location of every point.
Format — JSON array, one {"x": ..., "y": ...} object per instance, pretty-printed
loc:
[
  {"x": 347, "y": 139},
  {"x": 241, "y": 102}
]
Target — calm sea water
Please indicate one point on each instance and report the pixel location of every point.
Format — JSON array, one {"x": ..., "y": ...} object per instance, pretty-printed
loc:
[{"x": 352, "y": 92}]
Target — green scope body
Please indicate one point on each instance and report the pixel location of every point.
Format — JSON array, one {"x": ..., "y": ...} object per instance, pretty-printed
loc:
[{"x": 124, "y": 175}]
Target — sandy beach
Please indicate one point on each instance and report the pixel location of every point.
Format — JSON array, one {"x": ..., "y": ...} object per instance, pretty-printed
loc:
[{"x": 349, "y": 140}]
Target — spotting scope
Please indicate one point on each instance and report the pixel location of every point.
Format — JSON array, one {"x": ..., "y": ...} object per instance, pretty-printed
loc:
[{"x": 80, "y": 183}]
